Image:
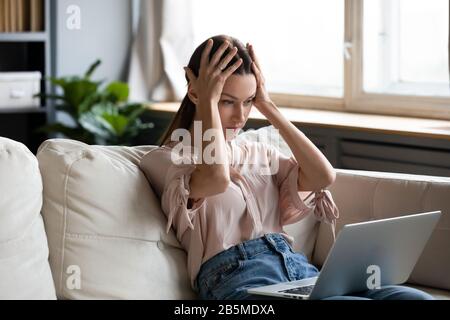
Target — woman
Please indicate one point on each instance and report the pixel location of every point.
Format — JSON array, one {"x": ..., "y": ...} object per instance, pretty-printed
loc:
[{"x": 227, "y": 214}]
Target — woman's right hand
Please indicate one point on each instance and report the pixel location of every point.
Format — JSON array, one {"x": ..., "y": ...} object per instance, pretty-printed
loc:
[{"x": 212, "y": 76}]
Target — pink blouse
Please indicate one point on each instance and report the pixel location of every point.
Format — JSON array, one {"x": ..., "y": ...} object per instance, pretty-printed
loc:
[{"x": 264, "y": 200}]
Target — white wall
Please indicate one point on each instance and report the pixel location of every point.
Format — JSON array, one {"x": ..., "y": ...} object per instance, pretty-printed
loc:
[{"x": 105, "y": 33}]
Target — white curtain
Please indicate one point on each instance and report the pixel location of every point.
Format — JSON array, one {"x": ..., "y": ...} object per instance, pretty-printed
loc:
[{"x": 163, "y": 44}]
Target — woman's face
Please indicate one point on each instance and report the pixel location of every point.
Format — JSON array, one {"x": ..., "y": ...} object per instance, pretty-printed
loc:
[{"x": 236, "y": 103}]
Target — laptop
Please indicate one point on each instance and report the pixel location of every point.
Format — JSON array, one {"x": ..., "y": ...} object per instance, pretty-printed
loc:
[{"x": 365, "y": 256}]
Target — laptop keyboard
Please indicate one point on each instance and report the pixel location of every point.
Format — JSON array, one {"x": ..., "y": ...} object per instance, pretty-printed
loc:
[{"x": 306, "y": 290}]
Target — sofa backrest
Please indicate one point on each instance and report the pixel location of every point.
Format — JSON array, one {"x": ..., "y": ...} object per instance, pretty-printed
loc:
[
  {"x": 105, "y": 227},
  {"x": 24, "y": 268},
  {"x": 363, "y": 195}
]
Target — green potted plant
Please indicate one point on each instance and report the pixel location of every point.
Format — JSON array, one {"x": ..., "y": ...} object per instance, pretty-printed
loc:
[{"x": 100, "y": 115}]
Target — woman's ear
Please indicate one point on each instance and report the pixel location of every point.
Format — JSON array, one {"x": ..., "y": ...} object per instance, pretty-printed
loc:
[{"x": 192, "y": 94}]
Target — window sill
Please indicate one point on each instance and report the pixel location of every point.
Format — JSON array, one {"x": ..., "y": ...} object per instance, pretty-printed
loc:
[{"x": 414, "y": 127}]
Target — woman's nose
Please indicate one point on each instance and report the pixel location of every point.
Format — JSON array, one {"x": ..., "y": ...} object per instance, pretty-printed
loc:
[{"x": 239, "y": 114}]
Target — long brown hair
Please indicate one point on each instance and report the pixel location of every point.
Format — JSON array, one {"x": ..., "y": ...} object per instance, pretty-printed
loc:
[{"x": 186, "y": 113}]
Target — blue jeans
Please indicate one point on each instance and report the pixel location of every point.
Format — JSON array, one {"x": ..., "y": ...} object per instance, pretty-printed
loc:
[{"x": 269, "y": 260}]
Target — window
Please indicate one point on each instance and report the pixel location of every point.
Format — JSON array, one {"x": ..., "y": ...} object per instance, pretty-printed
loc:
[
  {"x": 406, "y": 47},
  {"x": 299, "y": 43},
  {"x": 376, "y": 56}
]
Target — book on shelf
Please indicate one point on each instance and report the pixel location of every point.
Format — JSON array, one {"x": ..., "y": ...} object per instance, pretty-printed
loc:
[
  {"x": 6, "y": 15},
  {"x": 2, "y": 16},
  {"x": 37, "y": 15},
  {"x": 21, "y": 15},
  {"x": 13, "y": 15}
]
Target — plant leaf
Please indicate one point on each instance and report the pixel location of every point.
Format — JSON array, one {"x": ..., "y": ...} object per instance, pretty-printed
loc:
[
  {"x": 105, "y": 107},
  {"x": 67, "y": 109},
  {"x": 119, "y": 90},
  {"x": 49, "y": 96},
  {"x": 88, "y": 102},
  {"x": 58, "y": 81},
  {"x": 117, "y": 122},
  {"x": 129, "y": 108},
  {"x": 92, "y": 123},
  {"x": 92, "y": 68},
  {"x": 76, "y": 91},
  {"x": 69, "y": 132}
]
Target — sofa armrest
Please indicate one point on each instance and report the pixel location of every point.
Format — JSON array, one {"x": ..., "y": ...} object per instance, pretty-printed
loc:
[{"x": 365, "y": 195}]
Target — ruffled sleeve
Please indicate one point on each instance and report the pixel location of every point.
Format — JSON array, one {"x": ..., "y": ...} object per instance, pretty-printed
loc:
[
  {"x": 175, "y": 196},
  {"x": 292, "y": 207},
  {"x": 169, "y": 175}
]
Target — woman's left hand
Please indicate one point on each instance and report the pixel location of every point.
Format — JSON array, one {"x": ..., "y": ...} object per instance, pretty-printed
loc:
[{"x": 262, "y": 99}]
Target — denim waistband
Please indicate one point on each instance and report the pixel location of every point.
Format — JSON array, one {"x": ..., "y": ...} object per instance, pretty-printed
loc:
[{"x": 247, "y": 249}]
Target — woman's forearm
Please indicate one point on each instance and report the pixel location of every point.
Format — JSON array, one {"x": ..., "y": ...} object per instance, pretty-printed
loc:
[
  {"x": 208, "y": 114},
  {"x": 315, "y": 172}
]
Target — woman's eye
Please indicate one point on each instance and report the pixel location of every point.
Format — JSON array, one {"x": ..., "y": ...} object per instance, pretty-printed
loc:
[{"x": 249, "y": 102}]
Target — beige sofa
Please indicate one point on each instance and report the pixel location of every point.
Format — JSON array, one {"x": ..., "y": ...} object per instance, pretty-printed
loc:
[{"x": 104, "y": 236}]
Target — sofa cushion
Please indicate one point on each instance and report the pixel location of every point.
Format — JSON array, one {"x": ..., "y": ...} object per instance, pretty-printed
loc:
[
  {"x": 304, "y": 231},
  {"x": 24, "y": 268},
  {"x": 105, "y": 226}
]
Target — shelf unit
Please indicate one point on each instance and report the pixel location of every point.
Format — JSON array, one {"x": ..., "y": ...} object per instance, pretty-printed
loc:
[
  {"x": 28, "y": 51},
  {"x": 23, "y": 110},
  {"x": 23, "y": 36}
]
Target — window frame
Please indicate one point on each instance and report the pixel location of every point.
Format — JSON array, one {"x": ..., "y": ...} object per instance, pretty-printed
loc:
[{"x": 355, "y": 98}]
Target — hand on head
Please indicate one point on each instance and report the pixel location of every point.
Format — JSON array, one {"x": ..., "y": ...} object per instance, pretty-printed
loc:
[{"x": 213, "y": 74}]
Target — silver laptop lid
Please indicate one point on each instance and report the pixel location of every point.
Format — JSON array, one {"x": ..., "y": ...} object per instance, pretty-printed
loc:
[{"x": 387, "y": 248}]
